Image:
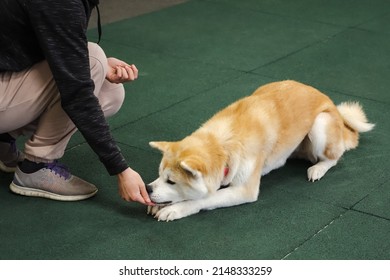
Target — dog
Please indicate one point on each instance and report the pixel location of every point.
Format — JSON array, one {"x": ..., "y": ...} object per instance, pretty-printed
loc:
[{"x": 221, "y": 163}]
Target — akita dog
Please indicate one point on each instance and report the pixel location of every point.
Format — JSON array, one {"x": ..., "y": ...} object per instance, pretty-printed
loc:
[{"x": 220, "y": 164}]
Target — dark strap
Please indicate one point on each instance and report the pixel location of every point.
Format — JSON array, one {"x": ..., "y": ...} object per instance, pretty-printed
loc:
[{"x": 99, "y": 26}]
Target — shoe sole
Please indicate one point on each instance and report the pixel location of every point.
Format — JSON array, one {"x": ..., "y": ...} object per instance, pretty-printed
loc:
[
  {"x": 45, "y": 194},
  {"x": 7, "y": 169}
]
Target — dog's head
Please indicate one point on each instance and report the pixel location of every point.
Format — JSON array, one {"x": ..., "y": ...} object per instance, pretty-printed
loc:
[{"x": 188, "y": 171}]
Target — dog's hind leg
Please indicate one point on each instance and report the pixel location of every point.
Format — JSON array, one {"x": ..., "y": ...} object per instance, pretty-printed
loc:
[{"x": 327, "y": 145}]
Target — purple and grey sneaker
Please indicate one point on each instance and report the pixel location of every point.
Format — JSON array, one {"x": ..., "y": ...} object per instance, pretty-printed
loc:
[{"x": 53, "y": 181}]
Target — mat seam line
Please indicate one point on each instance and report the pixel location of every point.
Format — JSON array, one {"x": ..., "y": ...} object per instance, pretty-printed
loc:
[{"x": 315, "y": 234}]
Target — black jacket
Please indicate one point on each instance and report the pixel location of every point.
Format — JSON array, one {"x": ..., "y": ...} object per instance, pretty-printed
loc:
[{"x": 55, "y": 30}]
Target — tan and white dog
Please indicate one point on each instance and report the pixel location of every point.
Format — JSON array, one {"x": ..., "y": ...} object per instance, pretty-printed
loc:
[{"x": 248, "y": 139}]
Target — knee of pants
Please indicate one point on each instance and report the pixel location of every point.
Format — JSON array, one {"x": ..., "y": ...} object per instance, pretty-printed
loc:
[
  {"x": 111, "y": 98},
  {"x": 98, "y": 64}
]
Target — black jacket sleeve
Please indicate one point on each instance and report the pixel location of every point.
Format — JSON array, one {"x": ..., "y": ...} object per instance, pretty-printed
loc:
[{"x": 60, "y": 27}]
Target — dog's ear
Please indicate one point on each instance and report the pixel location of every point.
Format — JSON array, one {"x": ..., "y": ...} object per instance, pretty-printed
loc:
[
  {"x": 162, "y": 146},
  {"x": 192, "y": 168}
]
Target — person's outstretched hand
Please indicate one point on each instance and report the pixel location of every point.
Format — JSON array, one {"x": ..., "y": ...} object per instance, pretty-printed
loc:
[
  {"x": 132, "y": 188},
  {"x": 120, "y": 72}
]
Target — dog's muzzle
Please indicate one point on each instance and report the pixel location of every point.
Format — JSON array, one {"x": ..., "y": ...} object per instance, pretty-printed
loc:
[{"x": 149, "y": 189}]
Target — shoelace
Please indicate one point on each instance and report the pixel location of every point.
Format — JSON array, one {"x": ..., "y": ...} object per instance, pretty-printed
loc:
[{"x": 60, "y": 169}]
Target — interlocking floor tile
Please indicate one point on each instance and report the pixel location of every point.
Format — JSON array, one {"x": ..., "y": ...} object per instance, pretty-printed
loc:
[
  {"x": 219, "y": 34},
  {"x": 354, "y": 62},
  {"x": 343, "y": 13},
  {"x": 377, "y": 203},
  {"x": 353, "y": 236}
]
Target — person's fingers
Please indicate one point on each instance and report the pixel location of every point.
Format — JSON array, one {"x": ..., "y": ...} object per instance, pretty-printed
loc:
[
  {"x": 135, "y": 71},
  {"x": 125, "y": 74},
  {"x": 118, "y": 72},
  {"x": 130, "y": 197},
  {"x": 145, "y": 196},
  {"x": 140, "y": 199},
  {"x": 129, "y": 73}
]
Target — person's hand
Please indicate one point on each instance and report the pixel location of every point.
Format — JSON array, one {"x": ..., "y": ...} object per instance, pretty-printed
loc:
[
  {"x": 120, "y": 72},
  {"x": 132, "y": 188}
]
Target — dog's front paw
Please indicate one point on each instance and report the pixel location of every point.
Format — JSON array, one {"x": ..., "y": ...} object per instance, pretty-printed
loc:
[
  {"x": 315, "y": 173},
  {"x": 169, "y": 213},
  {"x": 175, "y": 212},
  {"x": 152, "y": 210}
]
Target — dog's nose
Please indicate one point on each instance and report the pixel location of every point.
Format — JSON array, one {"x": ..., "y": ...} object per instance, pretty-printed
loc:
[{"x": 149, "y": 189}]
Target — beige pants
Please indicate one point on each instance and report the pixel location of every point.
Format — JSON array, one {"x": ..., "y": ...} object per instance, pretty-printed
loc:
[{"x": 30, "y": 105}]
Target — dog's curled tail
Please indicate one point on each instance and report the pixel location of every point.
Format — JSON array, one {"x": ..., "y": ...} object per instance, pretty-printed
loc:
[{"x": 355, "y": 121}]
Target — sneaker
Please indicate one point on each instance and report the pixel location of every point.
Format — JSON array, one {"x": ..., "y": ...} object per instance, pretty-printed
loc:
[
  {"x": 10, "y": 156},
  {"x": 53, "y": 181}
]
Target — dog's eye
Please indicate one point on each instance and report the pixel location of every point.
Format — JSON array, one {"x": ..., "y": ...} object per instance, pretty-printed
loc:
[{"x": 170, "y": 182}]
